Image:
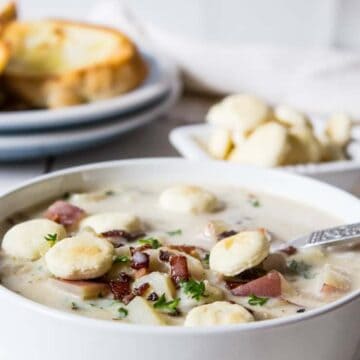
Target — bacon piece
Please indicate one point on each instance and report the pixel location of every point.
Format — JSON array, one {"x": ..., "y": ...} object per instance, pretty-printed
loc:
[
  {"x": 328, "y": 289},
  {"x": 188, "y": 249},
  {"x": 290, "y": 250},
  {"x": 275, "y": 261},
  {"x": 178, "y": 268},
  {"x": 139, "y": 248},
  {"x": 141, "y": 290},
  {"x": 232, "y": 284},
  {"x": 226, "y": 234},
  {"x": 268, "y": 285},
  {"x": 121, "y": 288},
  {"x": 140, "y": 260},
  {"x": 164, "y": 255},
  {"x": 64, "y": 213},
  {"x": 127, "y": 298},
  {"x": 141, "y": 272},
  {"x": 245, "y": 277},
  {"x": 122, "y": 235},
  {"x": 153, "y": 296},
  {"x": 115, "y": 237},
  {"x": 251, "y": 274}
]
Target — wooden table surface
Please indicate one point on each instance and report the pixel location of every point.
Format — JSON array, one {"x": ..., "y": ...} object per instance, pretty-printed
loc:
[{"x": 148, "y": 141}]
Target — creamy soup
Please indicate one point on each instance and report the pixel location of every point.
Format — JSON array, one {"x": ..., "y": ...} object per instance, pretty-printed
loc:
[{"x": 176, "y": 255}]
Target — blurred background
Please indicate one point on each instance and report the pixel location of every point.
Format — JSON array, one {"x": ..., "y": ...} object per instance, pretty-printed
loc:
[{"x": 301, "y": 52}]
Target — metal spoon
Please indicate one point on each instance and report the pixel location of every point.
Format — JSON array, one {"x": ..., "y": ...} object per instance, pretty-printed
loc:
[{"x": 342, "y": 234}]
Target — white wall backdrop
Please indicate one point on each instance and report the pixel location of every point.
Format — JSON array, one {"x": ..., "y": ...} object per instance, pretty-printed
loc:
[{"x": 75, "y": 9}]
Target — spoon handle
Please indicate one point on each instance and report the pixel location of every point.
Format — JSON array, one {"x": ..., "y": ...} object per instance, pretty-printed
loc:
[{"x": 332, "y": 236}]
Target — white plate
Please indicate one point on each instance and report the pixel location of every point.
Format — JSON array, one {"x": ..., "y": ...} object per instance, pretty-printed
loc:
[
  {"x": 155, "y": 86},
  {"x": 189, "y": 141},
  {"x": 29, "y": 146}
]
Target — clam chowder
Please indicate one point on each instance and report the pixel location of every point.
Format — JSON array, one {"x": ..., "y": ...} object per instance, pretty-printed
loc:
[{"x": 174, "y": 255}]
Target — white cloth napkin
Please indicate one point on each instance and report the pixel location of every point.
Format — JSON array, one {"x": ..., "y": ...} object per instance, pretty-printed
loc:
[{"x": 314, "y": 80}]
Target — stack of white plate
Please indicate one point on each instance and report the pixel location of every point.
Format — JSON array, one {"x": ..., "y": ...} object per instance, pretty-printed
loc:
[{"x": 39, "y": 133}]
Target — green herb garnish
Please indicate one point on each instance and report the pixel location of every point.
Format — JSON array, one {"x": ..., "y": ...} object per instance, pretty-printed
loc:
[
  {"x": 51, "y": 238},
  {"x": 255, "y": 300},
  {"x": 123, "y": 313},
  {"x": 167, "y": 306},
  {"x": 74, "y": 306},
  {"x": 109, "y": 192},
  {"x": 123, "y": 259},
  {"x": 195, "y": 289},
  {"x": 153, "y": 242},
  {"x": 300, "y": 268},
  {"x": 206, "y": 259},
  {"x": 254, "y": 201},
  {"x": 175, "y": 232}
]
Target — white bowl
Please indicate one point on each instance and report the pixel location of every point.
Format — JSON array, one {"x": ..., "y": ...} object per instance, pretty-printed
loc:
[
  {"x": 35, "y": 332},
  {"x": 189, "y": 141}
]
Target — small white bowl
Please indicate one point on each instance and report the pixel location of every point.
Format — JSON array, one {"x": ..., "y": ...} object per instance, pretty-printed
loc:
[
  {"x": 35, "y": 332},
  {"x": 190, "y": 142}
]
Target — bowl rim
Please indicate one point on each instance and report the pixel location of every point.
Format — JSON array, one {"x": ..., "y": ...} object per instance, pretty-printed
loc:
[{"x": 172, "y": 330}]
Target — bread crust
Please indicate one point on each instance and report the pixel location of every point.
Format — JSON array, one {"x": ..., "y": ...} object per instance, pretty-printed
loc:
[
  {"x": 8, "y": 13},
  {"x": 113, "y": 75}
]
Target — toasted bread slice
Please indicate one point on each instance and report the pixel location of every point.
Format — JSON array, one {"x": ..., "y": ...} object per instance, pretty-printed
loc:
[
  {"x": 8, "y": 11},
  {"x": 4, "y": 56},
  {"x": 7, "y": 14},
  {"x": 56, "y": 63}
]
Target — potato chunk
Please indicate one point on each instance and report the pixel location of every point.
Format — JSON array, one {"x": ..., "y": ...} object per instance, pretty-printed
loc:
[
  {"x": 81, "y": 289},
  {"x": 160, "y": 283},
  {"x": 334, "y": 279},
  {"x": 142, "y": 312},
  {"x": 211, "y": 294}
]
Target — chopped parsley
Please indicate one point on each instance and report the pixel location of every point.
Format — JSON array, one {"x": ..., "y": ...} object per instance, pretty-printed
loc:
[
  {"x": 300, "y": 268},
  {"x": 123, "y": 313},
  {"x": 195, "y": 289},
  {"x": 254, "y": 201},
  {"x": 109, "y": 192},
  {"x": 206, "y": 259},
  {"x": 51, "y": 238},
  {"x": 153, "y": 242},
  {"x": 255, "y": 300},
  {"x": 175, "y": 232},
  {"x": 167, "y": 306},
  {"x": 123, "y": 259},
  {"x": 74, "y": 306}
]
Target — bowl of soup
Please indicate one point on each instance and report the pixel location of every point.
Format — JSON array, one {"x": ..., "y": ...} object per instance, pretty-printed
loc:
[{"x": 159, "y": 258}]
